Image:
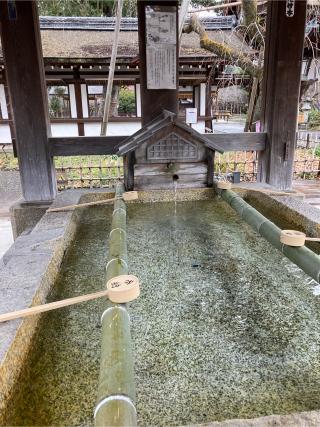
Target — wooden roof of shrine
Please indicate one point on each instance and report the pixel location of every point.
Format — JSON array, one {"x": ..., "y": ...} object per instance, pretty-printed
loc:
[
  {"x": 165, "y": 123},
  {"x": 75, "y": 37}
]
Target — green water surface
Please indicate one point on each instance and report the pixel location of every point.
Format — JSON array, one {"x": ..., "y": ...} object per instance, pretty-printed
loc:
[{"x": 225, "y": 326}]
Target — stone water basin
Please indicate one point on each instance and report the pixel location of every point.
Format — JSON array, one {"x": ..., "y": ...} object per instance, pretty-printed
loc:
[{"x": 225, "y": 326}]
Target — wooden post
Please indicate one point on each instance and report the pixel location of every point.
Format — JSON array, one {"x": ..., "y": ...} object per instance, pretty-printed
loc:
[
  {"x": 128, "y": 163},
  {"x": 208, "y": 113},
  {"x": 210, "y": 160},
  {"x": 153, "y": 101},
  {"x": 281, "y": 87},
  {"x": 77, "y": 92},
  {"x": 21, "y": 44}
]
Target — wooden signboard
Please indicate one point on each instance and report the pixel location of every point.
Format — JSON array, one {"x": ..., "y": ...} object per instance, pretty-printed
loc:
[
  {"x": 161, "y": 47},
  {"x": 191, "y": 115}
]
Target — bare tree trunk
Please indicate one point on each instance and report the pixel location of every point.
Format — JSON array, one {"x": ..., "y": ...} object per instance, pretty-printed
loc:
[{"x": 252, "y": 104}]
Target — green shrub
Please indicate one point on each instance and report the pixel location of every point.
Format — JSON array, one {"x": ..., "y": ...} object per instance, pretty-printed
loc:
[
  {"x": 314, "y": 118},
  {"x": 127, "y": 102}
]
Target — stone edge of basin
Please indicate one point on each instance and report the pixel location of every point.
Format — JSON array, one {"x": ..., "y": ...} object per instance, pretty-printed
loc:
[
  {"x": 297, "y": 419},
  {"x": 28, "y": 271},
  {"x": 294, "y": 210},
  {"x": 182, "y": 194}
]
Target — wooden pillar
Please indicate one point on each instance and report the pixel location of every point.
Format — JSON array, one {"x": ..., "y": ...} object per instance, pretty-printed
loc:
[
  {"x": 154, "y": 100},
  {"x": 21, "y": 44},
  {"x": 208, "y": 122},
  {"x": 77, "y": 91},
  {"x": 281, "y": 87},
  {"x": 128, "y": 168},
  {"x": 78, "y": 95}
]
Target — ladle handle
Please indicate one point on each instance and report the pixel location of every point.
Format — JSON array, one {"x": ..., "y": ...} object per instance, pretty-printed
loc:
[
  {"x": 51, "y": 306},
  {"x": 313, "y": 239},
  {"x": 71, "y": 207}
]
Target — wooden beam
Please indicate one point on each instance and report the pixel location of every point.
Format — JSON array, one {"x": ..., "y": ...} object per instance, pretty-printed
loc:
[
  {"x": 21, "y": 44},
  {"x": 153, "y": 101},
  {"x": 239, "y": 141},
  {"x": 102, "y": 145},
  {"x": 281, "y": 87},
  {"x": 84, "y": 145}
]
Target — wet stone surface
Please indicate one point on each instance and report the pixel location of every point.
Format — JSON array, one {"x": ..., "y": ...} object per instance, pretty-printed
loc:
[{"x": 237, "y": 336}]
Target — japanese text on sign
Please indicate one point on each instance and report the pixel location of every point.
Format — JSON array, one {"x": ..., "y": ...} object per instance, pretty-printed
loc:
[{"x": 161, "y": 47}]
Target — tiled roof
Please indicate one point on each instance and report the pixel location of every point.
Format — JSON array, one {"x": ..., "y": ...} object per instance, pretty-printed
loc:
[{"x": 98, "y": 44}]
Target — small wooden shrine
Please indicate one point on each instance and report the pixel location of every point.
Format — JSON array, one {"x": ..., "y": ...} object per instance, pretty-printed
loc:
[{"x": 167, "y": 150}]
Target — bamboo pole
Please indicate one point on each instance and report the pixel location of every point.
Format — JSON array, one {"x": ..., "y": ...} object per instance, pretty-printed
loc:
[
  {"x": 303, "y": 257},
  {"x": 52, "y": 306},
  {"x": 116, "y": 391},
  {"x": 183, "y": 11},
  {"x": 122, "y": 289},
  {"x": 107, "y": 102},
  {"x": 127, "y": 196},
  {"x": 81, "y": 205}
]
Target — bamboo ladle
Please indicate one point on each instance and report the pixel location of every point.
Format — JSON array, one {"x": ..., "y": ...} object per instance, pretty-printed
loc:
[
  {"x": 295, "y": 238},
  {"x": 120, "y": 289},
  {"x": 227, "y": 185},
  {"x": 127, "y": 196}
]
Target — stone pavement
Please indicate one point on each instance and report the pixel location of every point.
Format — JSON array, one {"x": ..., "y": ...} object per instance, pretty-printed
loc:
[
  {"x": 10, "y": 192},
  {"x": 311, "y": 190}
]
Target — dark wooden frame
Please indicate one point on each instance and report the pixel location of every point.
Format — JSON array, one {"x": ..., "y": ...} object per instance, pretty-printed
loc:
[
  {"x": 102, "y": 145},
  {"x": 166, "y": 98},
  {"x": 22, "y": 51},
  {"x": 281, "y": 89}
]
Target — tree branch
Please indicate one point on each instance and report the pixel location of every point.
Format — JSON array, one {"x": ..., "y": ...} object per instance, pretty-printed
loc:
[{"x": 221, "y": 49}]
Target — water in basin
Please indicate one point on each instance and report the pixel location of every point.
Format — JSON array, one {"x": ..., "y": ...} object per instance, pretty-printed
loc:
[{"x": 225, "y": 326}]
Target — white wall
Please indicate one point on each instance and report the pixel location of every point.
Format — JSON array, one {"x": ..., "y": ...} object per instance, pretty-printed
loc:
[
  {"x": 202, "y": 99},
  {"x": 64, "y": 129},
  {"x": 91, "y": 129},
  {"x": 73, "y": 104},
  {"x": 5, "y": 135},
  {"x": 200, "y": 126},
  {"x": 114, "y": 128},
  {"x": 3, "y": 102},
  {"x": 138, "y": 99}
]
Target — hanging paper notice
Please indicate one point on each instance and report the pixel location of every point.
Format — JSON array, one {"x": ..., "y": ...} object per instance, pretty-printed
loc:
[{"x": 161, "y": 47}]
